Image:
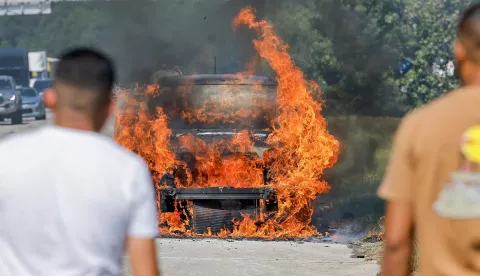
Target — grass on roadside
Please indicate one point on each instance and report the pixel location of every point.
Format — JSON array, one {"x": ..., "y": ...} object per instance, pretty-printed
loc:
[
  {"x": 374, "y": 252},
  {"x": 366, "y": 144}
]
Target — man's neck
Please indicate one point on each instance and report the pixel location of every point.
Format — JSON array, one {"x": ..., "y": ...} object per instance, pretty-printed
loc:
[
  {"x": 471, "y": 76},
  {"x": 75, "y": 121},
  {"x": 475, "y": 81}
]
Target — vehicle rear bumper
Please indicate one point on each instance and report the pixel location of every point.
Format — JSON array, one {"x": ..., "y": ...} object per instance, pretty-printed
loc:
[
  {"x": 30, "y": 113},
  {"x": 213, "y": 209},
  {"x": 32, "y": 110},
  {"x": 214, "y": 193},
  {"x": 7, "y": 109},
  {"x": 221, "y": 193}
]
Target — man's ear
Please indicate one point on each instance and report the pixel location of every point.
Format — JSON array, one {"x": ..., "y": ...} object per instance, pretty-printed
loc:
[
  {"x": 50, "y": 98},
  {"x": 111, "y": 108},
  {"x": 459, "y": 50}
]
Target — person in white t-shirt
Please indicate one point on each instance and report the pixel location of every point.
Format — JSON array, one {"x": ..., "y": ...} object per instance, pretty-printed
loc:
[{"x": 72, "y": 201}]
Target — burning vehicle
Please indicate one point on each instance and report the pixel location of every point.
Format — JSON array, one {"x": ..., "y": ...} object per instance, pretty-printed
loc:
[
  {"x": 214, "y": 207},
  {"x": 232, "y": 155},
  {"x": 213, "y": 108}
]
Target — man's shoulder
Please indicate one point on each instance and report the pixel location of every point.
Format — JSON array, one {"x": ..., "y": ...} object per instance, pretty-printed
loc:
[
  {"x": 121, "y": 154},
  {"x": 116, "y": 153},
  {"x": 441, "y": 117},
  {"x": 40, "y": 137},
  {"x": 453, "y": 103},
  {"x": 442, "y": 106},
  {"x": 23, "y": 138}
]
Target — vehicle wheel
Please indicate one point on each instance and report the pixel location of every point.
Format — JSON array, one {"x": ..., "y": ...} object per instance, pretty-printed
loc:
[
  {"x": 43, "y": 117},
  {"x": 17, "y": 118},
  {"x": 2, "y": 119}
]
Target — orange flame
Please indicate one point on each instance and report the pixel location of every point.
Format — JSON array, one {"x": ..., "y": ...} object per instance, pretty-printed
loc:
[
  {"x": 375, "y": 234},
  {"x": 304, "y": 148},
  {"x": 301, "y": 147},
  {"x": 217, "y": 171}
]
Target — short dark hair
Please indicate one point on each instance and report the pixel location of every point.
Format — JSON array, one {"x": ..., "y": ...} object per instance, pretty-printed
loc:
[
  {"x": 472, "y": 13},
  {"x": 468, "y": 31},
  {"x": 86, "y": 69}
]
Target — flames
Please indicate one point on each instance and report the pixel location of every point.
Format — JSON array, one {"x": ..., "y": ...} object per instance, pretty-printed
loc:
[
  {"x": 375, "y": 234},
  {"x": 215, "y": 170},
  {"x": 301, "y": 146}
]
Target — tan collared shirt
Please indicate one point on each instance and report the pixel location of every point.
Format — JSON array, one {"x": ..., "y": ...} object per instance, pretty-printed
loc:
[{"x": 424, "y": 170}]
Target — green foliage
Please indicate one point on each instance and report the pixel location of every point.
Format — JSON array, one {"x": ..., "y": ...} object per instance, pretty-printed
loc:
[
  {"x": 354, "y": 50},
  {"x": 366, "y": 143},
  {"x": 70, "y": 24},
  {"x": 431, "y": 26},
  {"x": 344, "y": 46}
]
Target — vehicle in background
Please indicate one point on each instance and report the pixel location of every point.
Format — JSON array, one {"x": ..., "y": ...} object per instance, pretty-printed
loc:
[
  {"x": 14, "y": 63},
  {"x": 41, "y": 84},
  {"x": 32, "y": 103},
  {"x": 10, "y": 100},
  {"x": 52, "y": 66}
]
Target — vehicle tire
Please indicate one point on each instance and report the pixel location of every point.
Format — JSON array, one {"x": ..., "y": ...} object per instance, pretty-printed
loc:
[
  {"x": 17, "y": 118},
  {"x": 42, "y": 117},
  {"x": 2, "y": 119}
]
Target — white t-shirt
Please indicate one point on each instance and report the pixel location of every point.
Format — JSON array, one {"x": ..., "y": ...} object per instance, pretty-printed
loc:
[{"x": 68, "y": 201}]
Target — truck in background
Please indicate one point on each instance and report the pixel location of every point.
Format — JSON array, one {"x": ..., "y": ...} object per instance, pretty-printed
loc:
[
  {"x": 42, "y": 70},
  {"x": 51, "y": 66},
  {"x": 14, "y": 63},
  {"x": 41, "y": 84}
]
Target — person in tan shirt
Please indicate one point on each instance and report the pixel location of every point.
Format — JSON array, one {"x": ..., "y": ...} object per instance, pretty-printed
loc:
[{"x": 432, "y": 183}]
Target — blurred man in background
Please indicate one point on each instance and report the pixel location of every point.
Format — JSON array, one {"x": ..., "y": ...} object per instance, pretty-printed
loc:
[
  {"x": 432, "y": 184},
  {"x": 71, "y": 199}
]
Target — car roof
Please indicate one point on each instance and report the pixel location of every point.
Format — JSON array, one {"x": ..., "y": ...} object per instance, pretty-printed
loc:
[
  {"x": 217, "y": 79},
  {"x": 6, "y": 77}
]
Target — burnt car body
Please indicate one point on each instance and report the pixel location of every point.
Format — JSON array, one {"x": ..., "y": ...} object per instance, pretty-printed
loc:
[{"x": 215, "y": 208}]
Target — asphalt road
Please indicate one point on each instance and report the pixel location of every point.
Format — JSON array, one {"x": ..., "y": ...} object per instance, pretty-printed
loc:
[
  {"x": 183, "y": 257},
  {"x": 28, "y": 123},
  {"x": 188, "y": 257},
  {"x": 6, "y": 126}
]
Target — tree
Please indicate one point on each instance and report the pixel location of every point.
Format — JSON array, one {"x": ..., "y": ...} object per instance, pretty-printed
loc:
[
  {"x": 430, "y": 27},
  {"x": 348, "y": 48},
  {"x": 354, "y": 50},
  {"x": 69, "y": 24}
]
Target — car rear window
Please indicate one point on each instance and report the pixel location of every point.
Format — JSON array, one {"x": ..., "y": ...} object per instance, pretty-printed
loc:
[
  {"x": 28, "y": 92},
  {"x": 5, "y": 84},
  {"x": 41, "y": 85}
]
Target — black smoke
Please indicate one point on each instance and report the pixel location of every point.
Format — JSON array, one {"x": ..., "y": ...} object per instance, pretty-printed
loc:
[{"x": 196, "y": 36}]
